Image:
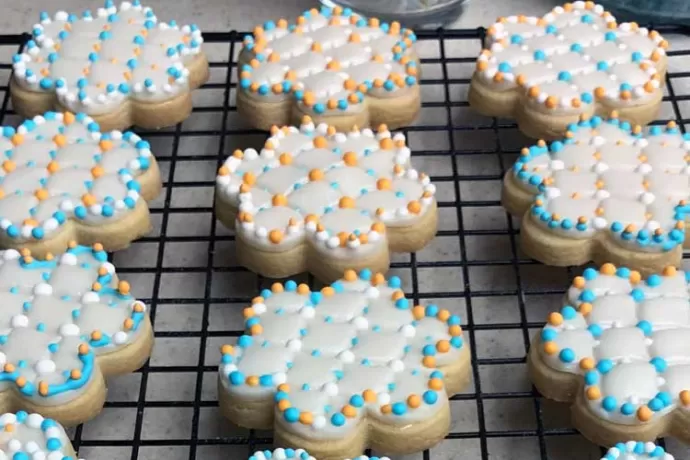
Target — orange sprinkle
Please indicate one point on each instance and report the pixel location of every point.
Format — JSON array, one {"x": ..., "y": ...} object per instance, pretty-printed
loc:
[
  {"x": 383, "y": 184},
  {"x": 418, "y": 312},
  {"x": 306, "y": 418},
  {"x": 284, "y": 405},
  {"x": 346, "y": 202},
  {"x": 43, "y": 388},
  {"x": 644, "y": 413},
  {"x": 377, "y": 279},
  {"x": 350, "y": 275},
  {"x": 429, "y": 361},
  {"x": 550, "y": 348},
  {"x": 349, "y": 411},
  {"x": 593, "y": 393},
  {"x": 435, "y": 384},
  {"x": 128, "y": 324},
  {"x": 378, "y": 227},
  {"x": 315, "y": 174},
  {"x": 386, "y": 409},
  {"x": 88, "y": 199},
  {"x": 585, "y": 308},
  {"x": 414, "y": 207},
  {"x": 277, "y": 287},
  {"x": 256, "y": 329},
  {"x": 252, "y": 380},
  {"x": 249, "y": 178},
  {"x": 9, "y": 165},
  {"x": 685, "y": 397},
  {"x": 608, "y": 269},
  {"x": 555, "y": 319},
  {"x": 587, "y": 364},
  {"x": 414, "y": 401},
  {"x": 443, "y": 346},
  {"x": 328, "y": 291},
  {"x": 41, "y": 194}
]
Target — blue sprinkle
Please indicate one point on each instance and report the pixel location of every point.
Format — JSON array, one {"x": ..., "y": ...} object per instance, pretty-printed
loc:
[{"x": 627, "y": 409}]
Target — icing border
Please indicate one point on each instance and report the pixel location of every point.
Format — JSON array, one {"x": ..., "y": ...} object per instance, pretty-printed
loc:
[{"x": 622, "y": 231}]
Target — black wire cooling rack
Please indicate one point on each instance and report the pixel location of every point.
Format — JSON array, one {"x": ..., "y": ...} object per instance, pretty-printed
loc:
[{"x": 184, "y": 270}]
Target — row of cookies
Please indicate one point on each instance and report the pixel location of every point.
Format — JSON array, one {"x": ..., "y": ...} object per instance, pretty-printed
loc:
[{"x": 282, "y": 202}]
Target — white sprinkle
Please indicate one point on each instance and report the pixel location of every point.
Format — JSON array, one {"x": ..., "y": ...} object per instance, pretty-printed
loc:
[
  {"x": 69, "y": 329},
  {"x": 43, "y": 289},
  {"x": 120, "y": 337}
]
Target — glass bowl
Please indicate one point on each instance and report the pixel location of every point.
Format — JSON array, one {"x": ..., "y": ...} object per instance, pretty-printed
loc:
[
  {"x": 414, "y": 14},
  {"x": 647, "y": 11}
]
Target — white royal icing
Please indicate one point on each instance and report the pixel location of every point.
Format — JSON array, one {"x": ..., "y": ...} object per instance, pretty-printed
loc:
[
  {"x": 93, "y": 63},
  {"x": 59, "y": 166},
  {"x": 356, "y": 349},
  {"x": 627, "y": 337},
  {"x": 26, "y": 436},
  {"x": 328, "y": 61},
  {"x": 334, "y": 190},
  {"x": 58, "y": 315},
  {"x": 607, "y": 176},
  {"x": 572, "y": 57}
]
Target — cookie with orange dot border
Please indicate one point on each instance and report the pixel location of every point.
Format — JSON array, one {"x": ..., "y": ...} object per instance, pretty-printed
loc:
[
  {"x": 333, "y": 65},
  {"x": 352, "y": 366},
  {"x": 318, "y": 200},
  {"x": 575, "y": 60},
  {"x": 616, "y": 351}
]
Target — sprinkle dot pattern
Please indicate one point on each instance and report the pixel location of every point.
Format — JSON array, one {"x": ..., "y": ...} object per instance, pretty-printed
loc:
[
  {"x": 626, "y": 337},
  {"x": 59, "y": 166},
  {"x": 635, "y": 450},
  {"x": 96, "y": 61},
  {"x": 573, "y": 57},
  {"x": 58, "y": 315},
  {"x": 31, "y": 436},
  {"x": 609, "y": 176},
  {"x": 301, "y": 454},
  {"x": 355, "y": 349}
]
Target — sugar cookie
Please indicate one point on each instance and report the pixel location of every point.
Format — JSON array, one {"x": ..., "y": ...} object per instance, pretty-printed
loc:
[
  {"x": 301, "y": 454},
  {"x": 324, "y": 201},
  {"x": 61, "y": 179},
  {"x": 120, "y": 65},
  {"x": 608, "y": 192},
  {"x": 618, "y": 352},
  {"x": 66, "y": 322},
  {"x": 26, "y": 436},
  {"x": 575, "y": 60},
  {"x": 350, "y": 367},
  {"x": 332, "y": 65}
]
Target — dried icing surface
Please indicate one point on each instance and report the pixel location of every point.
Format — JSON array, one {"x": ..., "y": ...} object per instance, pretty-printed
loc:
[
  {"x": 328, "y": 61},
  {"x": 301, "y": 454},
  {"x": 355, "y": 349},
  {"x": 336, "y": 190},
  {"x": 94, "y": 62},
  {"x": 59, "y": 166},
  {"x": 635, "y": 450},
  {"x": 26, "y": 436},
  {"x": 58, "y": 315},
  {"x": 628, "y": 338},
  {"x": 572, "y": 57},
  {"x": 607, "y": 176}
]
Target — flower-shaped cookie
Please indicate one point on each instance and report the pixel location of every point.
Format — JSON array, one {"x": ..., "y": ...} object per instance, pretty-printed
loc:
[
  {"x": 575, "y": 60},
  {"x": 319, "y": 200},
  {"x": 344, "y": 368},
  {"x": 636, "y": 450},
  {"x": 607, "y": 192},
  {"x": 65, "y": 322},
  {"x": 332, "y": 65},
  {"x": 26, "y": 436},
  {"x": 618, "y": 351},
  {"x": 301, "y": 454},
  {"x": 119, "y": 65},
  {"x": 61, "y": 179}
]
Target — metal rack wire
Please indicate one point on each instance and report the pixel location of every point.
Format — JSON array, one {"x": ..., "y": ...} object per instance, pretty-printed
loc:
[{"x": 184, "y": 270}]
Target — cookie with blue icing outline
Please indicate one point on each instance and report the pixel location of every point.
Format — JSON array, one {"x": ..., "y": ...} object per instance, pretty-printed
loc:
[
  {"x": 119, "y": 64},
  {"x": 62, "y": 179},
  {"x": 332, "y": 65},
  {"x": 25, "y": 436},
  {"x": 617, "y": 352},
  {"x": 66, "y": 322},
  {"x": 608, "y": 192},
  {"x": 575, "y": 60},
  {"x": 350, "y": 367}
]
